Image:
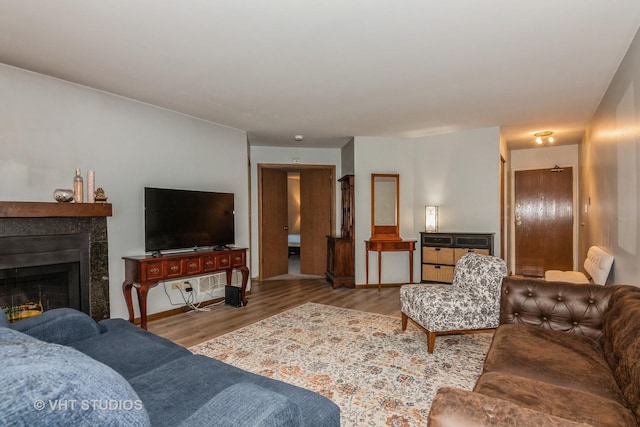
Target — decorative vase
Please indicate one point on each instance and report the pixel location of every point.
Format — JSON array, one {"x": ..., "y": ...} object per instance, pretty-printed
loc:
[{"x": 62, "y": 195}]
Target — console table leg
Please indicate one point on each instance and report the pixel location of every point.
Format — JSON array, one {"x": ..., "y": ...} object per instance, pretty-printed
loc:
[
  {"x": 379, "y": 269},
  {"x": 126, "y": 289},
  {"x": 245, "y": 278},
  {"x": 366, "y": 268},
  {"x": 142, "y": 302}
]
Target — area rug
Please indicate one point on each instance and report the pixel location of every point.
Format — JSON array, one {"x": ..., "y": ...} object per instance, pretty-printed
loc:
[{"x": 376, "y": 373}]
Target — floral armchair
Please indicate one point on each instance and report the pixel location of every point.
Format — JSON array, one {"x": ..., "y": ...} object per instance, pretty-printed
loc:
[{"x": 470, "y": 304}]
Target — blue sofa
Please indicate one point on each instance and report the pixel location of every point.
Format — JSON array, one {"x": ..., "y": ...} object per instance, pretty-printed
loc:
[{"x": 63, "y": 368}]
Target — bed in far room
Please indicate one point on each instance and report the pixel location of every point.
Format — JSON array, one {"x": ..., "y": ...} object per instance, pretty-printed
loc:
[{"x": 294, "y": 244}]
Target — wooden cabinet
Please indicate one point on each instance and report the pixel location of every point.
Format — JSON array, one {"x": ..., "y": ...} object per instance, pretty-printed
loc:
[
  {"x": 441, "y": 251},
  {"x": 340, "y": 249},
  {"x": 144, "y": 272}
]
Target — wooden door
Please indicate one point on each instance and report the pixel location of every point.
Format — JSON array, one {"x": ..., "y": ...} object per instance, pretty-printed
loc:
[
  {"x": 316, "y": 219},
  {"x": 543, "y": 221},
  {"x": 273, "y": 223}
]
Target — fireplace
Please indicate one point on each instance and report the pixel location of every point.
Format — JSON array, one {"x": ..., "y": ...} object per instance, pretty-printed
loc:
[
  {"x": 43, "y": 245},
  {"x": 39, "y": 273}
]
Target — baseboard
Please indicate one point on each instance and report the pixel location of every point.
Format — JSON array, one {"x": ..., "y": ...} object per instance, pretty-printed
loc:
[
  {"x": 178, "y": 310},
  {"x": 383, "y": 285}
]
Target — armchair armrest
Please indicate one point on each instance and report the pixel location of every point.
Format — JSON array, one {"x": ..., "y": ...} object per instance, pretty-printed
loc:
[
  {"x": 456, "y": 407},
  {"x": 59, "y": 326},
  {"x": 559, "y": 306}
]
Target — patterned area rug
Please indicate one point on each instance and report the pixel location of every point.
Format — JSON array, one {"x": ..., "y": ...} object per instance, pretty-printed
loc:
[{"x": 377, "y": 374}]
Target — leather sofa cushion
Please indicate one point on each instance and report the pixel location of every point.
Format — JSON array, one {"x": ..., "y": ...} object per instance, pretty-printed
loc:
[
  {"x": 558, "y": 358},
  {"x": 555, "y": 400}
]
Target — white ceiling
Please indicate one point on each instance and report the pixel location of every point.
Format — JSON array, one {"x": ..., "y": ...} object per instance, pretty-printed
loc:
[{"x": 333, "y": 69}]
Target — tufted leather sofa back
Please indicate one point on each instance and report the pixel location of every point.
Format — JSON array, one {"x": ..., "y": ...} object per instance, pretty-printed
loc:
[
  {"x": 561, "y": 306},
  {"x": 621, "y": 344}
]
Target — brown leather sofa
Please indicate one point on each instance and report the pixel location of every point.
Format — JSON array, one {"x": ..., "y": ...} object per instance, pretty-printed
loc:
[{"x": 563, "y": 355}]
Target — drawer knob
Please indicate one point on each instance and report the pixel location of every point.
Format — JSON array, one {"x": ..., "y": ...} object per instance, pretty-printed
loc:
[
  {"x": 155, "y": 270},
  {"x": 193, "y": 265},
  {"x": 174, "y": 268}
]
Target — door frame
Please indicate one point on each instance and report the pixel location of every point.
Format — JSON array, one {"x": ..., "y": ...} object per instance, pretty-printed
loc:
[
  {"x": 287, "y": 167},
  {"x": 576, "y": 216}
]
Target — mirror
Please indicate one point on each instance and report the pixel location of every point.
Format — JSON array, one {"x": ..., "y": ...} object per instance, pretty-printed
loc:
[{"x": 385, "y": 206}]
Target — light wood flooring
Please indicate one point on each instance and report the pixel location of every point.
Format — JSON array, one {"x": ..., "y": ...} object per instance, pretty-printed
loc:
[{"x": 268, "y": 298}]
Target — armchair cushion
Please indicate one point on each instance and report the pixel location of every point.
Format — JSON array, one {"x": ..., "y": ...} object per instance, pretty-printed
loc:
[{"x": 441, "y": 307}]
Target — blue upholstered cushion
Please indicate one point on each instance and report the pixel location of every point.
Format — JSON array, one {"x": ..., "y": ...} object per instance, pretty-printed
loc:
[
  {"x": 246, "y": 404},
  {"x": 50, "y": 384},
  {"x": 59, "y": 326},
  {"x": 4, "y": 322},
  {"x": 128, "y": 349},
  {"x": 200, "y": 378}
]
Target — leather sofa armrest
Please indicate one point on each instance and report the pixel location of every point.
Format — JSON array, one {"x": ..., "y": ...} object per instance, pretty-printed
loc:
[
  {"x": 456, "y": 407},
  {"x": 560, "y": 306}
]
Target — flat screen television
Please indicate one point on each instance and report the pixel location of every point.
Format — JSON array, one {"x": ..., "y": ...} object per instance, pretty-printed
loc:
[{"x": 186, "y": 219}]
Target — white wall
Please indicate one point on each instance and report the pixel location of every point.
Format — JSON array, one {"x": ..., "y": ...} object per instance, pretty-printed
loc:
[
  {"x": 49, "y": 127},
  {"x": 610, "y": 172},
  {"x": 459, "y": 172},
  {"x": 546, "y": 158},
  {"x": 290, "y": 157}
]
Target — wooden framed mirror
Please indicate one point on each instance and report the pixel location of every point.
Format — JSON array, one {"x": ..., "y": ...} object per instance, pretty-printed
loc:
[{"x": 385, "y": 206}]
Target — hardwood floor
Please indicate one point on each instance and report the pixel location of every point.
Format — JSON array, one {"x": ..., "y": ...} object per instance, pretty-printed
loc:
[{"x": 268, "y": 298}]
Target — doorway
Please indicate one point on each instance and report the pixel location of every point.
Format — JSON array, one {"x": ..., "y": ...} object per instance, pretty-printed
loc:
[
  {"x": 543, "y": 220},
  {"x": 283, "y": 231}
]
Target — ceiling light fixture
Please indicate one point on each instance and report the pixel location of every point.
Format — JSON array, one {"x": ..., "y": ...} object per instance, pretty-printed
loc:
[
  {"x": 540, "y": 137},
  {"x": 298, "y": 138}
]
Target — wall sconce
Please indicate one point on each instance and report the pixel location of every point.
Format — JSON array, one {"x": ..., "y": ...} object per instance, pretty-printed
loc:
[{"x": 431, "y": 219}]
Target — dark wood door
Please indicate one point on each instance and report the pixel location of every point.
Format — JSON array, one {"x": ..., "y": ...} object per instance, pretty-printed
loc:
[
  {"x": 273, "y": 223},
  {"x": 316, "y": 214},
  {"x": 543, "y": 217}
]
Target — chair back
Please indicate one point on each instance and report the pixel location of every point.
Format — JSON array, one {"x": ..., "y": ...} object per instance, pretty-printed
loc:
[
  {"x": 480, "y": 274},
  {"x": 598, "y": 264}
]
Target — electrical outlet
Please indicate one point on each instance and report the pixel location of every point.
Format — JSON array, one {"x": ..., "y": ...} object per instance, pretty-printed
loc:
[{"x": 182, "y": 285}]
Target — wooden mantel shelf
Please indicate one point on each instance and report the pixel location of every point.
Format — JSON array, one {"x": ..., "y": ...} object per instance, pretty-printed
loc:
[{"x": 53, "y": 209}]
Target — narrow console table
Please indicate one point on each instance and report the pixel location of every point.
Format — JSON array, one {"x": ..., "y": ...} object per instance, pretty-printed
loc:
[
  {"x": 145, "y": 272},
  {"x": 389, "y": 246}
]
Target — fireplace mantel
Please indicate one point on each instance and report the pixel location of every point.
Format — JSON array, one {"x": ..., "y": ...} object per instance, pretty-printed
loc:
[
  {"x": 53, "y": 209},
  {"x": 55, "y": 219}
]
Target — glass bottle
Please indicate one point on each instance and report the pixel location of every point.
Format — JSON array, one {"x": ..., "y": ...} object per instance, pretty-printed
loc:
[{"x": 78, "y": 189}]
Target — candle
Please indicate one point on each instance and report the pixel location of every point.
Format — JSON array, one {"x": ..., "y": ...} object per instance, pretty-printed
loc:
[{"x": 91, "y": 182}]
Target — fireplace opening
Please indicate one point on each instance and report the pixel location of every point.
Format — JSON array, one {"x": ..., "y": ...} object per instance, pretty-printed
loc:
[
  {"x": 28, "y": 291},
  {"x": 40, "y": 273}
]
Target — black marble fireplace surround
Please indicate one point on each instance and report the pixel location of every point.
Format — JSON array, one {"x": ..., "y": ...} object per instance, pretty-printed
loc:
[{"x": 27, "y": 242}]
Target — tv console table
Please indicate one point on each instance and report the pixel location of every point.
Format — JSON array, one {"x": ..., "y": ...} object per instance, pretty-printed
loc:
[{"x": 145, "y": 272}]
